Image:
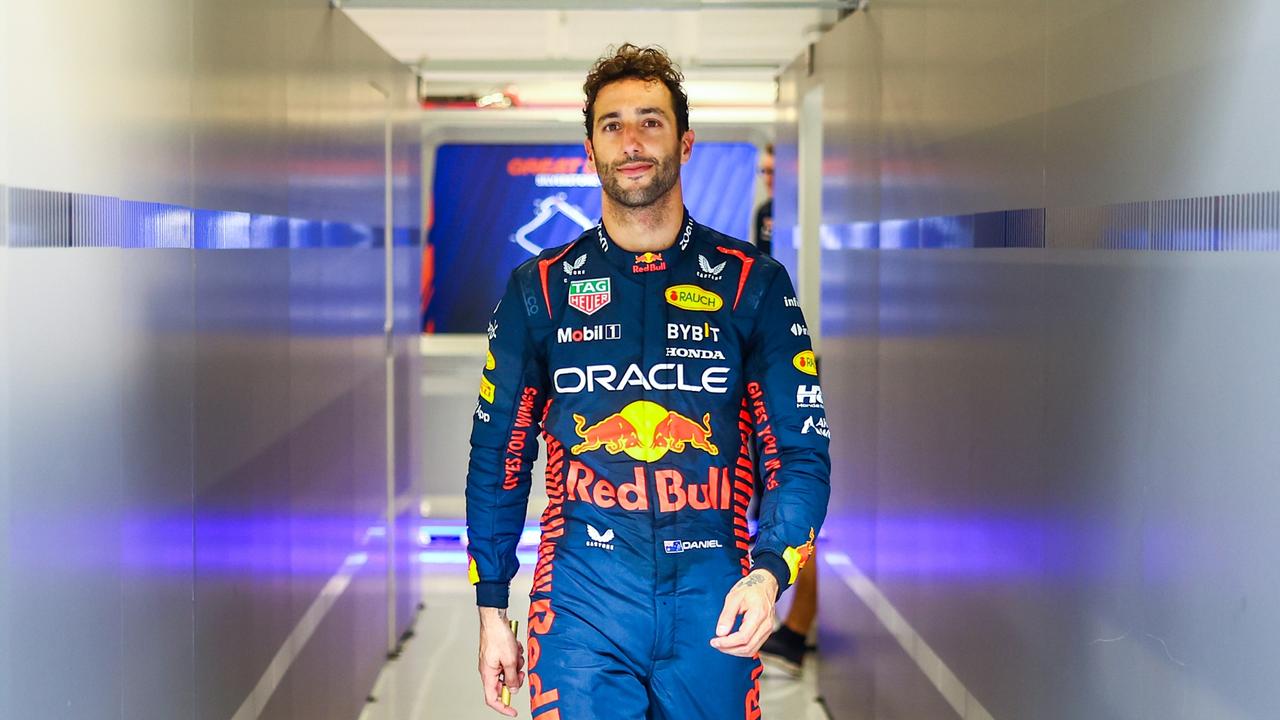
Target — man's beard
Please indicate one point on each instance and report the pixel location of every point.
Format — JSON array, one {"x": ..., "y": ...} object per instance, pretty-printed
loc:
[{"x": 666, "y": 173}]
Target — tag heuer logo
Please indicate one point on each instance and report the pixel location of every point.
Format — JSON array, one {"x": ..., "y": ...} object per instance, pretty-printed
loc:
[{"x": 589, "y": 296}]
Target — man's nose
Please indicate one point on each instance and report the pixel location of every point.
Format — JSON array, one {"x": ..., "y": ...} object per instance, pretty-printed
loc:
[{"x": 630, "y": 140}]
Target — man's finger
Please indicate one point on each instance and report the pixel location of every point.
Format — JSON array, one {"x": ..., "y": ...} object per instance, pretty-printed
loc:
[
  {"x": 754, "y": 624},
  {"x": 742, "y": 649},
  {"x": 752, "y": 645},
  {"x": 757, "y": 642},
  {"x": 492, "y": 682},
  {"x": 752, "y": 619},
  {"x": 511, "y": 674},
  {"x": 492, "y": 690},
  {"x": 732, "y": 606},
  {"x": 504, "y": 709},
  {"x": 489, "y": 681},
  {"x": 729, "y": 643}
]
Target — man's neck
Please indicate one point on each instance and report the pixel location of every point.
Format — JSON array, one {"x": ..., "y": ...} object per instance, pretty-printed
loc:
[{"x": 645, "y": 229}]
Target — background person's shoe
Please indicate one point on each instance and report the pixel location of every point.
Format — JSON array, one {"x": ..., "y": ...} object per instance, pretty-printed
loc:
[{"x": 784, "y": 652}]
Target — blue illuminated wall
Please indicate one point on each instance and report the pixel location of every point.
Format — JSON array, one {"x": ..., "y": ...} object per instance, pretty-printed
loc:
[{"x": 496, "y": 206}]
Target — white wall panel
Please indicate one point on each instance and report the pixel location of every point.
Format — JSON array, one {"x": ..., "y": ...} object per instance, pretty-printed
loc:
[
  {"x": 192, "y": 306},
  {"x": 1053, "y": 441}
]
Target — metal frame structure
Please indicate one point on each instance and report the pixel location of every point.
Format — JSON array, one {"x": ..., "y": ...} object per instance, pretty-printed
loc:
[{"x": 849, "y": 5}]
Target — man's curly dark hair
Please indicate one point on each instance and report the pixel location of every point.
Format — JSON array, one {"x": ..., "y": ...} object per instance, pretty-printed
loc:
[{"x": 645, "y": 63}]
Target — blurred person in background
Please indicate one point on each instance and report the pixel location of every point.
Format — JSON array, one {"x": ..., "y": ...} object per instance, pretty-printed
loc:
[
  {"x": 784, "y": 651},
  {"x": 764, "y": 213}
]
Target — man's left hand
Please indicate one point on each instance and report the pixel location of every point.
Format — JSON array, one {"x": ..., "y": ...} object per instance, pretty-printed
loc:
[{"x": 752, "y": 597}]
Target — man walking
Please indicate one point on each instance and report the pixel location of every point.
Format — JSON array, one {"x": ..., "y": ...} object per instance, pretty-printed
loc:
[{"x": 650, "y": 352}]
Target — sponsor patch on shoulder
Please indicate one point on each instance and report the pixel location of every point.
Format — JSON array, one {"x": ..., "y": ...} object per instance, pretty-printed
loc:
[
  {"x": 816, "y": 425},
  {"x": 808, "y": 396},
  {"x": 805, "y": 362}
]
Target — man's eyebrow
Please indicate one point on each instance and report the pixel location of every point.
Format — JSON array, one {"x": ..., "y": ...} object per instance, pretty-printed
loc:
[{"x": 616, "y": 114}]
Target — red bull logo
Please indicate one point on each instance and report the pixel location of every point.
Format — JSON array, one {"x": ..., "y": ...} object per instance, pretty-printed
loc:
[
  {"x": 541, "y": 620},
  {"x": 649, "y": 262},
  {"x": 753, "y": 695},
  {"x": 798, "y": 557},
  {"x": 673, "y": 492},
  {"x": 645, "y": 431}
]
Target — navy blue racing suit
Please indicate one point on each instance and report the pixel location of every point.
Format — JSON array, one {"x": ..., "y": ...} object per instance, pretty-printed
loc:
[{"x": 649, "y": 376}]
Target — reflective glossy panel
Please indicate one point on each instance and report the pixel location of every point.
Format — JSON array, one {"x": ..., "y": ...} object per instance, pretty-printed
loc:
[
  {"x": 1046, "y": 357},
  {"x": 194, "y": 502}
]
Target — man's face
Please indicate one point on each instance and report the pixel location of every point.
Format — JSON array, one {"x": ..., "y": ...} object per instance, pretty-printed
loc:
[
  {"x": 634, "y": 146},
  {"x": 766, "y": 170}
]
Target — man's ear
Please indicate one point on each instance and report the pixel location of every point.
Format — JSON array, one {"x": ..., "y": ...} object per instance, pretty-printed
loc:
[
  {"x": 591, "y": 155},
  {"x": 686, "y": 146}
]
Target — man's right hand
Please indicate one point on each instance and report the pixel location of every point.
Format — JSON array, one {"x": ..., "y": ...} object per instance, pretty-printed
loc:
[{"x": 501, "y": 659}]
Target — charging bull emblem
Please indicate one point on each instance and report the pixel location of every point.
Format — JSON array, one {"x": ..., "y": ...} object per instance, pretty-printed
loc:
[
  {"x": 798, "y": 557},
  {"x": 645, "y": 431}
]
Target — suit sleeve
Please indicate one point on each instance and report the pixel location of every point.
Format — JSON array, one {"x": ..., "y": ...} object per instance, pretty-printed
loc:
[
  {"x": 504, "y": 446},
  {"x": 791, "y": 434}
]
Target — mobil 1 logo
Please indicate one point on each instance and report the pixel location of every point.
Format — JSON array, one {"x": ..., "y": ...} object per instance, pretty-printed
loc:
[{"x": 590, "y": 333}]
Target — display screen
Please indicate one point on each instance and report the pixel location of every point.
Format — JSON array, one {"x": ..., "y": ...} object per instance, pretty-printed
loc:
[{"x": 496, "y": 206}]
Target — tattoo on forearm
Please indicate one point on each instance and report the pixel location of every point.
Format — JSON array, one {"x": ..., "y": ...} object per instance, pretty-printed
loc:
[{"x": 750, "y": 580}]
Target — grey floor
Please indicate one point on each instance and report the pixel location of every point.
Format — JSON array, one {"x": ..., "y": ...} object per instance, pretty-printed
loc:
[{"x": 435, "y": 677}]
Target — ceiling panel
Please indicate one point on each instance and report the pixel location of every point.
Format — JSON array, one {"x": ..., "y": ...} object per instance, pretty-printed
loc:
[
  {"x": 760, "y": 37},
  {"x": 540, "y": 56}
]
